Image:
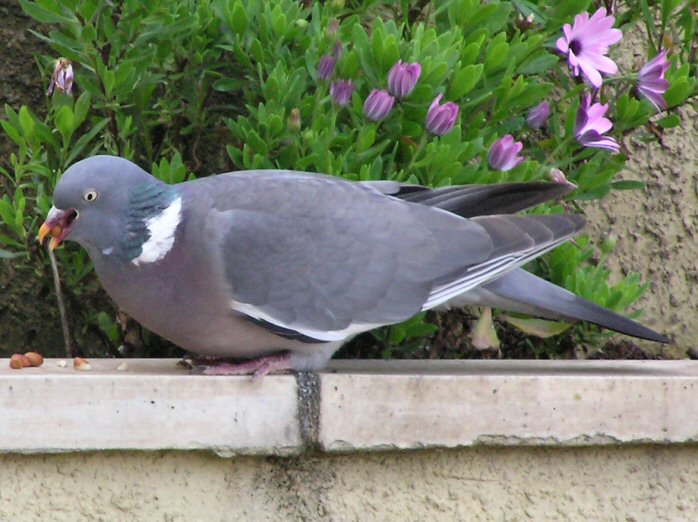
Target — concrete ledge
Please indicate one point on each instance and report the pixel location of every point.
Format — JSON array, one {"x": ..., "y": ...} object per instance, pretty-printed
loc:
[
  {"x": 354, "y": 405},
  {"x": 152, "y": 405}
]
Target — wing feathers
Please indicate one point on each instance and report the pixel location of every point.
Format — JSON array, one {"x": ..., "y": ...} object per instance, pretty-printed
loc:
[
  {"x": 324, "y": 259},
  {"x": 482, "y": 200},
  {"x": 507, "y": 256}
]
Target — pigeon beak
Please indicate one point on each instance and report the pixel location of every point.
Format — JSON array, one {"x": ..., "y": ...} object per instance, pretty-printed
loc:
[{"x": 57, "y": 225}]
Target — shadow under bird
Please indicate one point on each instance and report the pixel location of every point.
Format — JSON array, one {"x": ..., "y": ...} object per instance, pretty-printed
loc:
[{"x": 280, "y": 268}]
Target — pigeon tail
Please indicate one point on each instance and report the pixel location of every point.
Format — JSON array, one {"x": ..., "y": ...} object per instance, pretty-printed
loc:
[{"x": 521, "y": 291}]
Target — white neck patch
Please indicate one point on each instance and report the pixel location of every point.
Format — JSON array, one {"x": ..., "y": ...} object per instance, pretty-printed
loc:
[{"x": 162, "y": 228}]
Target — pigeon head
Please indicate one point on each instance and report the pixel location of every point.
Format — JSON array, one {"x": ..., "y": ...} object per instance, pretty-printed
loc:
[{"x": 111, "y": 206}]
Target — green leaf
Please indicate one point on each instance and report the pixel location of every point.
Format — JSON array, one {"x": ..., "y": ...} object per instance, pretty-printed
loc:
[
  {"x": 89, "y": 33},
  {"x": 350, "y": 65},
  {"x": 470, "y": 53},
  {"x": 82, "y": 106},
  {"x": 228, "y": 84},
  {"x": 88, "y": 8},
  {"x": 366, "y": 138},
  {"x": 596, "y": 193},
  {"x": 278, "y": 22},
  {"x": 391, "y": 53},
  {"x": 257, "y": 51},
  {"x": 258, "y": 145},
  {"x": 11, "y": 132},
  {"x": 464, "y": 81},
  {"x": 26, "y": 120},
  {"x": 670, "y": 121},
  {"x": 496, "y": 55},
  {"x": 677, "y": 92},
  {"x": 239, "y": 20},
  {"x": 64, "y": 120},
  {"x": 6, "y": 254},
  {"x": 85, "y": 140},
  {"x": 275, "y": 125},
  {"x": 397, "y": 334},
  {"x": 7, "y": 213},
  {"x": 108, "y": 80},
  {"x": 539, "y": 64},
  {"x": 44, "y": 15},
  {"x": 564, "y": 10}
]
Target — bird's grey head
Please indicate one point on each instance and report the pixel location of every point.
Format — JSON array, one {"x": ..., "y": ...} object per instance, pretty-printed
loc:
[{"x": 103, "y": 203}]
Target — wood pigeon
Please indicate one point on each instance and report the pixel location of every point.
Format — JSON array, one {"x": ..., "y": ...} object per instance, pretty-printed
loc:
[{"x": 280, "y": 268}]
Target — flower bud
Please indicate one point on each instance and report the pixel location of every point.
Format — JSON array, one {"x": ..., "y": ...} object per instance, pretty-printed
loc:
[
  {"x": 332, "y": 29},
  {"x": 378, "y": 105},
  {"x": 337, "y": 49},
  {"x": 651, "y": 82},
  {"x": 62, "y": 77},
  {"x": 402, "y": 78},
  {"x": 293, "y": 122},
  {"x": 556, "y": 176},
  {"x": 441, "y": 118},
  {"x": 503, "y": 154},
  {"x": 341, "y": 91},
  {"x": 538, "y": 115},
  {"x": 325, "y": 67}
]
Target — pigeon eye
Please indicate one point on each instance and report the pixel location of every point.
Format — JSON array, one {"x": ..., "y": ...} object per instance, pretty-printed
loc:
[{"x": 90, "y": 195}]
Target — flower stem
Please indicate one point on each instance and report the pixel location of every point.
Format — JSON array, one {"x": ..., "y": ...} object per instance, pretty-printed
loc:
[
  {"x": 417, "y": 152},
  {"x": 621, "y": 78}
]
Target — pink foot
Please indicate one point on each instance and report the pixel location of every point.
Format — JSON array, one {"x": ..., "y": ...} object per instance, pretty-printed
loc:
[{"x": 255, "y": 367}]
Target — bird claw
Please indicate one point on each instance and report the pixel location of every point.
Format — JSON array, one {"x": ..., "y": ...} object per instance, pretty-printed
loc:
[{"x": 255, "y": 367}]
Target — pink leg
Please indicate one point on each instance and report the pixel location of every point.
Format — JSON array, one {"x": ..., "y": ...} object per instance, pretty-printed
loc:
[{"x": 256, "y": 367}]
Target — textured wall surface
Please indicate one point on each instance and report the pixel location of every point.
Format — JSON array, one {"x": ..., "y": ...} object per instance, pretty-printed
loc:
[
  {"x": 630, "y": 483},
  {"x": 657, "y": 228}
]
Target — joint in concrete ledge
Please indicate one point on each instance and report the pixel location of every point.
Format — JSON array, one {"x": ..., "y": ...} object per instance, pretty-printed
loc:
[{"x": 308, "y": 385}]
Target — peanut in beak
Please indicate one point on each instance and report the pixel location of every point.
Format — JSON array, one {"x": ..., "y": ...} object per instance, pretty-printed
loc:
[{"x": 50, "y": 230}]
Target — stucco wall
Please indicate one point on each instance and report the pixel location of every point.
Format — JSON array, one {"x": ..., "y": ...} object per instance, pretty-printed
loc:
[
  {"x": 631, "y": 483},
  {"x": 657, "y": 228}
]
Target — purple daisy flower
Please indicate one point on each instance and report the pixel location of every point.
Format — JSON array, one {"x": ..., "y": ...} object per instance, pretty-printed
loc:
[
  {"x": 503, "y": 154},
  {"x": 586, "y": 45},
  {"x": 591, "y": 125},
  {"x": 341, "y": 91},
  {"x": 402, "y": 78},
  {"x": 538, "y": 115},
  {"x": 378, "y": 105},
  {"x": 650, "y": 81},
  {"x": 441, "y": 118}
]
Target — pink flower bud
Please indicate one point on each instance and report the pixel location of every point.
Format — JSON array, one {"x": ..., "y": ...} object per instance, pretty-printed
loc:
[
  {"x": 325, "y": 67},
  {"x": 538, "y": 115},
  {"x": 503, "y": 154},
  {"x": 378, "y": 105},
  {"x": 441, "y": 118},
  {"x": 651, "y": 83},
  {"x": 402, "y": 78},
  {"x": 341, "y": 91},
  {"x": 62, "y": 77}
]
